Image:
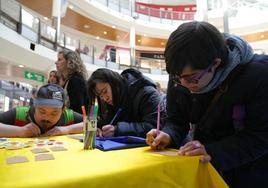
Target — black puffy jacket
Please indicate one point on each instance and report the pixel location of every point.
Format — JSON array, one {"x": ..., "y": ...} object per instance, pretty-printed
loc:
[
  {"x": 138, "y": 102},
  {"x": 235, "y": 133}
]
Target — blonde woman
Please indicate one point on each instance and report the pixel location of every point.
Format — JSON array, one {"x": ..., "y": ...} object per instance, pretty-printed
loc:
[{"x": 73, "y": 71}]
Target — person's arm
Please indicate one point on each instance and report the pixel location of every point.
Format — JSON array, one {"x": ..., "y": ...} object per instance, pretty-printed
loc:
[
  {"x": 147, "y": 107},
  {"x": 177, "y": 121},
  {"x": 64, "y": 130},
  {"x": 29, "y": 130},
  {"x": 75, "y": 128},
  {"x": 10, "y": 131},
  {"x": 251, "y": 143}
]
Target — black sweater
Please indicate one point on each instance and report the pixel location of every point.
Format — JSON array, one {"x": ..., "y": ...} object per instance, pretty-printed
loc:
[
  {"x": 235, "y": 133},
  {"x": 77, "y": 93}
]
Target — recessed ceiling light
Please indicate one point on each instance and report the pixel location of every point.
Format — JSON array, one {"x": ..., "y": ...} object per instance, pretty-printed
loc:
[
  {"x": 21, "y": 66},
  {"x": 144, "y": 35},
  {"x": 71, "y": 6},
  {"x": 105, "y": 32},
  {"x": 97, "y": 37},
  {"x": 86, "y": 26},
  {"x": 113, "y": 27},
  {"x": 139, "y": 40},
  {"x": 262, "y": 36},
  {"x": 46, "y": 18}
]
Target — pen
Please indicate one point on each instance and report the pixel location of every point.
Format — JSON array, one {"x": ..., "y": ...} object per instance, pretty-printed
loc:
[
  {"x": 115, "y": 116},
  {"x": 158, "y": 120}
]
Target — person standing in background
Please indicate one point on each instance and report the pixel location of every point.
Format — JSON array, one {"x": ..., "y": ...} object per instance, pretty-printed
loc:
[
  {"x": 53, "y": 77},
  {"x": 73, "y": 71}
]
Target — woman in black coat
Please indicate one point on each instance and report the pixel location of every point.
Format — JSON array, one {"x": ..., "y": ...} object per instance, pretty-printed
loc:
[
  {"x": 73, "y": 72},
  {"x": 130, "y": 95}
]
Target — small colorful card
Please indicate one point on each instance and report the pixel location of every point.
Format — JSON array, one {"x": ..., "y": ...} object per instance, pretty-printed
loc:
[
  {"x": 44, "y": 157},
  {"x": 39, "y": 150},
  {"x": 16, "y": 159}
]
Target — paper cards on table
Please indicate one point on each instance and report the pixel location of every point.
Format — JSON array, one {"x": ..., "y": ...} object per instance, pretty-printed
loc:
[
  {"x": 167, "y": 152},
  {"x": 44, "y": 157},
  {"x": 17, "y": 159}
]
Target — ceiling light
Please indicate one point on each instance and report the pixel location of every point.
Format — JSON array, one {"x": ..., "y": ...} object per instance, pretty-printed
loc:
[
  {"x": 139, "y": 40},
  {"x": 21, "y": 66},
  {"x": 162, "y": 43},
  {"x": 105, "y": 32},
  {"x": 86, "y": 26},
  {"x": 262, "y": 36},
  {"x": 71, "y": 6},
  {"x": 144, "y": 35},
  {"x": 113, "y": 27},
  {"x": 97, "y": 37},
  {"x": 46, "y": 18}
]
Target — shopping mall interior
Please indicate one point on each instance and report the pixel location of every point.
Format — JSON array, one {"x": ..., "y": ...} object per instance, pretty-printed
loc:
[{"x": 117, "y": 34}]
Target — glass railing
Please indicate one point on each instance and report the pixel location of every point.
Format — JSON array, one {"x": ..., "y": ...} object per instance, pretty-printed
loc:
[
  {"x": 38, "y": 31},
  {"x": 145, "y": 13}
]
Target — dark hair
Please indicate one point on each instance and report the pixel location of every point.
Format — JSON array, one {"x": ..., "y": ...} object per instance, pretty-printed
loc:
[
  {"x": 103, "y": 75},
  {"x": 196, "y": 44}
]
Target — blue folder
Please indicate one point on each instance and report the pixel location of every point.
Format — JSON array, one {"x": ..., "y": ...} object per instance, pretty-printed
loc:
[{"x": 119, "y": 142}]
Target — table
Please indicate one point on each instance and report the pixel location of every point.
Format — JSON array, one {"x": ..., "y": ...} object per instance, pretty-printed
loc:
[{"x": 137, "y": 167}]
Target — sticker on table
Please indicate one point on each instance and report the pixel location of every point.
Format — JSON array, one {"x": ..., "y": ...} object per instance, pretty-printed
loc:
[
  {"x": 44, "y": 157},
  {"x": 167, "y": 152},
  {"x": 12, "y": 145},
  {"x": 17, "y": 159},
  {"x": 58, "y": 148},
  {"x": 39, "y": 150},
  {"x": 3, "y": 139}
]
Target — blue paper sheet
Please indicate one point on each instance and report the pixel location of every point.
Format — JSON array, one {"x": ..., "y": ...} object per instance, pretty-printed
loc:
[{"x": 119, "y": 142}]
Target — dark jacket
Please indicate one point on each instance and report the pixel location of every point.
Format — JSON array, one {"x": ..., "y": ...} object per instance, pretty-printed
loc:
[
  {"x": 76, "y": 93},
  {"x": 235, "y": 132},
  {"x": 138, "y": 102}
]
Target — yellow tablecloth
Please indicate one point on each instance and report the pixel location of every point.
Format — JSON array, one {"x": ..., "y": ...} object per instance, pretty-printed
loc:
[{"x": 138, "y": 167}]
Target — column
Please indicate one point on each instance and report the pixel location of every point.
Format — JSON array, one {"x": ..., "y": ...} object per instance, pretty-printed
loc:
[
  {"x": 56, "y": 20},
  {"x": 202, "y": 9},
  {"x": 132, "y": 44},
  {"x": 225, "y": 16}
]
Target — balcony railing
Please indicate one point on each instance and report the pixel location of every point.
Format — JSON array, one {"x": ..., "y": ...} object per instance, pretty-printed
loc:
[{"x": 23, "y": 21}]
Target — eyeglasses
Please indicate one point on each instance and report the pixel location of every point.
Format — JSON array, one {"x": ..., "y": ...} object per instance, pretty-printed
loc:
[{"x": 194, "y": 79}]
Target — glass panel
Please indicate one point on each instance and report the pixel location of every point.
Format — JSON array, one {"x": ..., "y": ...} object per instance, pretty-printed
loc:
[
  {"x": 29, "y": 20},
  {"x": 11, "y": 8}
]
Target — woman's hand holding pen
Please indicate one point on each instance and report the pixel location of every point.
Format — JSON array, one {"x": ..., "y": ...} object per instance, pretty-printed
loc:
[
  {"x": 195, "y": 148},
  {"x": 157, "y": 141},
  {"x": 108, "y": 130}
]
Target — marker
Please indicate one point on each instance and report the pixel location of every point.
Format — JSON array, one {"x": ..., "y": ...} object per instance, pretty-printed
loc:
[
  {"x": 115, "y": 116},
  {"x": 158, "y": 120}
]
